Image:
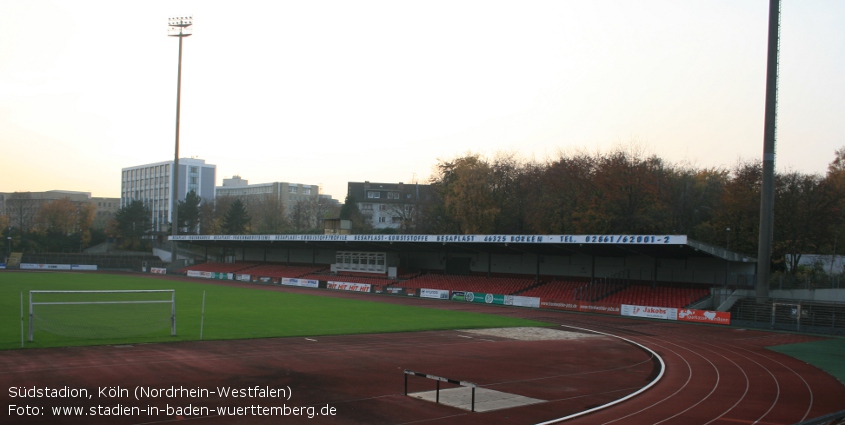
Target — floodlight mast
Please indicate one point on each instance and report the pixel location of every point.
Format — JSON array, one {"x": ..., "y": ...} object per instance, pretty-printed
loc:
[
  {"x": 767, "y": 191},
  {"x": 177, "y": 27}
]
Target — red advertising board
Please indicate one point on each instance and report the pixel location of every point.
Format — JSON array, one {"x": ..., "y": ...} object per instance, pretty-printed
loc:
[
  {"x": 704, "y": 316},
  {"x": 572, "y": 305}
]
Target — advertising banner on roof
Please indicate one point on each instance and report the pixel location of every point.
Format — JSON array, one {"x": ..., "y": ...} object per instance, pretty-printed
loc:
[{"x": 516, "y": 239}]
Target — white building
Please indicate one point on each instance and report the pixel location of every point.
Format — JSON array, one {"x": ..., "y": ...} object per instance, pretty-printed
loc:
[
  {"x": 153, "y": 184},
  {"x": 390, "y": 205}
]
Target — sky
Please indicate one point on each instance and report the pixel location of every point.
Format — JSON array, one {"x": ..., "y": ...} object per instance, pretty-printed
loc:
[{"x": 328, "y": 92}]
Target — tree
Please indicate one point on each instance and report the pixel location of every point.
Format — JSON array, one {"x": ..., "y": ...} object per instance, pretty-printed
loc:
[
  {"x": 56, "y": 217},
  {"x": 237, "y": 220},
  {"x": 835, "y": 181},
  {"x": 466, "y": 187},
  {"x": 131, "y": 223},
  {"x": 561, "y": 193},
  {"x": 805, "y": 211},
  {"x": 268, "y": 214},
  {"x": 209, "y": 224},
  {"x": 22, "y": 209},
  {"x": 349, "y": 211},
  {"x": 62, "y": 225},
  {"x": 189, "y": 213},
  {"x": 739, "y": 208}
]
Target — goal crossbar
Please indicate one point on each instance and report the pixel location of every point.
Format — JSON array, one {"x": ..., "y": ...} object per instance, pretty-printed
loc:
[{"x": 165, "y": 292}]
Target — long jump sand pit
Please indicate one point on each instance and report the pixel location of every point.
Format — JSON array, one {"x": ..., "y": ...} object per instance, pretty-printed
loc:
[{"x": 531, "y": 334}]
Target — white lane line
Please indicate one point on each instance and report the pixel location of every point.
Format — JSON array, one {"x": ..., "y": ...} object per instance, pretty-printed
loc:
[{"x": 629, "y": 396}]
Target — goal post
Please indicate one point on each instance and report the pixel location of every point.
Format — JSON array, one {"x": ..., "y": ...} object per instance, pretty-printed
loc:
[{"x": 102, "y": 313}]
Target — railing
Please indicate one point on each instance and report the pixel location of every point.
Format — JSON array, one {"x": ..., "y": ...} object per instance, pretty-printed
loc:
[{"x": 791, "y": 315}]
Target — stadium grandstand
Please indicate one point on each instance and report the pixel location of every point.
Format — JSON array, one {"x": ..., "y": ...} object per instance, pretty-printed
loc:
[{"x": 655, "y": 270}]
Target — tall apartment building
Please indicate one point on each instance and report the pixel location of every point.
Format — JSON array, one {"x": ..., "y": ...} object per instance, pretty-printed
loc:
[
  {"x": 389, "y": 205},
  {"x": 153, "y": 184}
]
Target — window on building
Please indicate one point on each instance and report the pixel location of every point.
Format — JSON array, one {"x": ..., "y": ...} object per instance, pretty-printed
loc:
[
  {"x": 382, "y": 207},
  {"x": 373, "y": 195},
  {"x": 292, "y": 189},
  {"x": 366, "y": 207},
  {"x": 382, "y": 219},
  {"x": 306, "y": 190}
]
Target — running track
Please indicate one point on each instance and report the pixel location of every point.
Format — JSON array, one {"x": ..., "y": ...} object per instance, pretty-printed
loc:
[{"x": 714, "y": 374}]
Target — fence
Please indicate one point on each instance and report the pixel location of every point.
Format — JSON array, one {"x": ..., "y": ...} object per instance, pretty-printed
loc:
[
  {"x": 103, "y": 261},
  {"x": 791, "y": 315}
]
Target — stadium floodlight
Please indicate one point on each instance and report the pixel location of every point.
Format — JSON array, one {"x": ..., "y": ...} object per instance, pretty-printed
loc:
[
  {"x": 177, "y": 27},
  {"x": 102, "y": 313}
]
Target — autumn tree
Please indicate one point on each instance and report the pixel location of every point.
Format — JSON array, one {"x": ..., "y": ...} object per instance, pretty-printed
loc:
[
  {"x": 509, "y": 191},
  {"x": 268, "y": 214},
  {"x": 738, "y": 209},
  {"x": 208, "y": 225},
  {"x": 466, "y": 186},
  {"x": 805, "y": 209},
  {"x": 562, "y": 191},
  {"x": 835, "y": 182}
]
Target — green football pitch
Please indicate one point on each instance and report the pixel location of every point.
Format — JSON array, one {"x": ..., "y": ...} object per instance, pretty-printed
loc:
[{"x": 230, "y": 312}]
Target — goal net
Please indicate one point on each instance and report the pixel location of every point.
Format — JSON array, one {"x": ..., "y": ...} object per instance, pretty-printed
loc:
[{"x": 102, "y": 314}]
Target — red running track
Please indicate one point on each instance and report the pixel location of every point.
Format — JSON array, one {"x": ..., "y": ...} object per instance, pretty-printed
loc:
[{"x": 714, "y": 375}]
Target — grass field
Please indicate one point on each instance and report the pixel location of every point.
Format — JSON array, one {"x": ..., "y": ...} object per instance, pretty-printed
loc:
[
  {"x": 828, "y": 355},
  {"x": 231, "y": 312}
]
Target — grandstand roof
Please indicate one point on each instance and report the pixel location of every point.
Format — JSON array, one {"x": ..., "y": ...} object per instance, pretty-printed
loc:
[{"x": 659, "y": 246}]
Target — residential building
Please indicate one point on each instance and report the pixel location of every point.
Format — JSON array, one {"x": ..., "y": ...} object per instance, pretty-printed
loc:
[
  {"x": 152, "y": 184},
  {"x": 389, "y": 205},
  {"x": 22, "y": 207}
]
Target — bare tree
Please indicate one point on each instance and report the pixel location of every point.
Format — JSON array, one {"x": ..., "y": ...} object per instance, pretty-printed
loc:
[{"x": 22, "y": 209}]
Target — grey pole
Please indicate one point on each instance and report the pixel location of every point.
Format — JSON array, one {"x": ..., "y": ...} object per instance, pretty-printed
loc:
[
  {"x": 179, "y": 27},
  {"x": 767, "y": 195}
]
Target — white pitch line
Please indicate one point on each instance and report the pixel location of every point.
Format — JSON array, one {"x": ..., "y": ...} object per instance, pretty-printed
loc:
[
  {"x": 309, "y": 339},
  {"x": 464, "y": 336}
]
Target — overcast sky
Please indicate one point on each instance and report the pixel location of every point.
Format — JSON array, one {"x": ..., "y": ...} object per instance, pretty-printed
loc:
[{"x": 327, "y": 92}]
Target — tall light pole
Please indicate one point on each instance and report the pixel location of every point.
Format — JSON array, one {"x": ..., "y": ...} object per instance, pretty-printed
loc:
[
  {"x": 177, "y": 27},
  {"x": 767, "y": 191}
]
